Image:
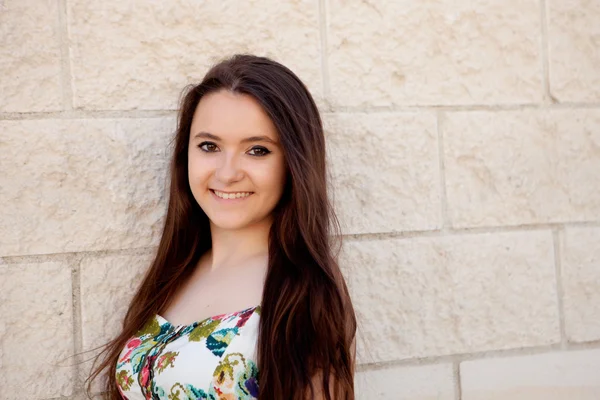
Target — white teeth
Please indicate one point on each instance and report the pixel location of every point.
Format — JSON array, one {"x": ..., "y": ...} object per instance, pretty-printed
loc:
[{"x": 231, "y": 195}]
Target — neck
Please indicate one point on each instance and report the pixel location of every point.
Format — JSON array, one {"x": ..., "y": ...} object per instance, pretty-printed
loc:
[{"x": 231, "y": 247}]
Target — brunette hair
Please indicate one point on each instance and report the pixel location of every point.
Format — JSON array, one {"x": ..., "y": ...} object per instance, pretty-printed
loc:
[{"x": 307, "y": 322}]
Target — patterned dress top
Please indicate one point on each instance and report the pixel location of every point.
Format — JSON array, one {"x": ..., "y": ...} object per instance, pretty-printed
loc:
[{"x": 213, "y": 359}]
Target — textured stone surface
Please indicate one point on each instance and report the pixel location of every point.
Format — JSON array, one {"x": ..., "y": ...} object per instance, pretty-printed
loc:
[
  {"x": 140, "y": 54},
  {"x": 107, "y": 285},
  {"x": 434, "y": 52},
  {"x": 520, "y": 167},
  {"x": 29, "y": 56},
  {"x": 580, "y": 251},
  {"x": 93, "y": 184},
  {"x": 432, "y": 382},
  {"x": 72, "y": 185},
  {"x": 385, "y": 171},
  {"x": 37, "y": 330},
  {"x": 434, "y": 296},
  {"x": 555, "y": 376},
  {"x": 574, "y": 49}
]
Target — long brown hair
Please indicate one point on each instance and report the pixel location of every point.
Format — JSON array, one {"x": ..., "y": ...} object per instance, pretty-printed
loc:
[{"x": 307, "y": 324}]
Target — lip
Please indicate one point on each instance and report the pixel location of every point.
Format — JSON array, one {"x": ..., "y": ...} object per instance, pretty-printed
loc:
[{"x": 229, "y": 201}]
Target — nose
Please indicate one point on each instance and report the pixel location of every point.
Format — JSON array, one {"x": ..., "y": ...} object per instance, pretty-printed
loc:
[{"x": 228, "y": 170}]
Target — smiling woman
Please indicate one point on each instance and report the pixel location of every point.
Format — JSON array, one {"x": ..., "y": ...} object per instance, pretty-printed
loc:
[
  {"x": 235, "y": 160},
  {"x": 244, "y": 298}
]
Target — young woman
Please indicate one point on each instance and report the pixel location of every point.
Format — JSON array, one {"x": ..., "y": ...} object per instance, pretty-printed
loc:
[{"x": 244, "y": 298}]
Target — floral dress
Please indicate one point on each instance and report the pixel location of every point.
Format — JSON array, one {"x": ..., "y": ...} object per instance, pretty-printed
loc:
[{"x": 212, "y": 359}]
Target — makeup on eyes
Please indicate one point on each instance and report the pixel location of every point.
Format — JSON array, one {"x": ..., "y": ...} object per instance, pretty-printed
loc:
[{"x": 261, "y": 149}]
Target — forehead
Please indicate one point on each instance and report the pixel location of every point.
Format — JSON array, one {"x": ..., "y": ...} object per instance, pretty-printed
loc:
[{"x": 231, "y": 116}]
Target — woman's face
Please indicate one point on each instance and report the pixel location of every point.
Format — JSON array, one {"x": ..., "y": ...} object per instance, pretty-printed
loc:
[{"x": 236, "y": 167}]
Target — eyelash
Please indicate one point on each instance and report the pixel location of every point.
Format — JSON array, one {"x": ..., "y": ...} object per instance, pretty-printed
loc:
[{"x": 264, "y": 150}]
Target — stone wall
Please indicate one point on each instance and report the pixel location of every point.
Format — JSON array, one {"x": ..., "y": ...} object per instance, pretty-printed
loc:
[{"x": 465, "y": 150}]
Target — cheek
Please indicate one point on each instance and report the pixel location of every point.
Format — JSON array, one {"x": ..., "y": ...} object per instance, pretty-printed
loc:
[
  {"x": 271, "y": 177},
  {"x": 198, "y": 169}
]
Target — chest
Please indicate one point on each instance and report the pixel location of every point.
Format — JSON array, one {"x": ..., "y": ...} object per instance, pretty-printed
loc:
[
  {"x": 215, "y": 356},
  {"x": 204, "y": 294}
]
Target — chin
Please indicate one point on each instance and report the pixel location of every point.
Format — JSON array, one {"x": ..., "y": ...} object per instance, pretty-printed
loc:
[{"x": 229, "y": 224}]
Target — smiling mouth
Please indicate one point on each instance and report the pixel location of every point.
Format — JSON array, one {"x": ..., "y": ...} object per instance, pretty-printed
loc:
[{"x": 230, "y": 195}]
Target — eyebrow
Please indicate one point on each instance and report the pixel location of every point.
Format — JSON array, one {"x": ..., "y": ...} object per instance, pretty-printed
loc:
[{"x": 208, "y": 135}]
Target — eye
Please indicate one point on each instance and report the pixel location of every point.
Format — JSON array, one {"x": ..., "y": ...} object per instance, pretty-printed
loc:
[
  {"x": 258, "y": 151},
  {"x": 208, "y": 147}
]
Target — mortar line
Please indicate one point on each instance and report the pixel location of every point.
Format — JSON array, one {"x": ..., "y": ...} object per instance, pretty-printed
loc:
[
  {"x": 556, "y": 234},
  {"x": 324, "y": 43},
  {"x": 548, "y": 98},
  {"x": 442, "y": 172},
  {"x": 407, "y": 234},
  {"x": 37, "y": 258},
  {"x": 77, "y": 322},
  {"x": 457, "y": 382},
  {"x": 65, "y": 76},
  {"x": 477, "y": 355},
  {"x": 103, "y": 114},
  {"x": 89, "y": 114},
  {"x": 466, "y": 107},
  {"x": 466, "y": 231}
]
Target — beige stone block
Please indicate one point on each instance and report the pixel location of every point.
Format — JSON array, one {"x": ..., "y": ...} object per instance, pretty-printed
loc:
[
  {"x": 435, "y": 296},
  {"x": 580, "y": 272},
  {"x": 72, "y": 185},
  {"x": 385, "y": 171},
  {"x": 108, "y": 284},
  {"x": 139, "y": 54},
  {"x": 522, "y": 167},
  {"x": 574, "y": 49},
  {"x": 430, "y": 382},
  {"x": 3, "y": 378},
  {"x": 30, "y": 58},
  {"x": 37, "y": 330},
  {"x": 436, "y": 52},
  {"x": 573, "y": 375}
]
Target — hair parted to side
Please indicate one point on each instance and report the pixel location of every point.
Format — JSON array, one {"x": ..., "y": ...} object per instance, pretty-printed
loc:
[{"x": 307, "y": 323}]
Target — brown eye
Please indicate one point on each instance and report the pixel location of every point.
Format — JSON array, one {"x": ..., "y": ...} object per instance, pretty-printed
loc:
[
  {"x": 208, "y": 147},
  {"x": 258, "y": 151}
]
